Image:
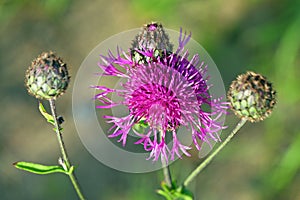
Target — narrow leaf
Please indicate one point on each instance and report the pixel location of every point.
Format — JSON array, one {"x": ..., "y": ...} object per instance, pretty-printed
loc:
[
  {"x": 38, "y": 168},
  {"x": 164, "y": 194},
  {"x": 47, "y": 116}
]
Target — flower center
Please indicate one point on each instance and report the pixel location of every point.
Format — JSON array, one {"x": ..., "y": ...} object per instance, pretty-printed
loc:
[{"x": 158, "y": 104}]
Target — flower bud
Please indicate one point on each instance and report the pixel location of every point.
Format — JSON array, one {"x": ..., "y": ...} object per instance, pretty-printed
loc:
[
  {"x": 47, "y": 77},
  {"x": 252, "y": 97},
  {"x": 152, "y": 38}
]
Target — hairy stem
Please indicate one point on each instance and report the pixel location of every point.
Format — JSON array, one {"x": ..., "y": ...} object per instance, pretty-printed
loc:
[
  {"x": 63, "y": 150},
  {"x": 193, "y": 175}
]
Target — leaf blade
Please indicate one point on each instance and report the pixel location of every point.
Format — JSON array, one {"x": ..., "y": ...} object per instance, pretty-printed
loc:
[
  {"x": 46, "y": 115},
  {"x": 39, "y": 168}
]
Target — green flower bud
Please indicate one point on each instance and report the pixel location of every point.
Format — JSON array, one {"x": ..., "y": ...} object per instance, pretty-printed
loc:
[
  {"x": 47, "y": 77},
  {"x": 252, "y": 97},
  {"x": 151, "y": 38}
]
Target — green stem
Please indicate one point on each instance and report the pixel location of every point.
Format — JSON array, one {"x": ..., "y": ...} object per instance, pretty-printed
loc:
[
  {"x": 64, "y": 151},
  {"x": 211, "y": 156},
  {"x": 167, "y": 173},
  {"x": 166, "y": 170}
]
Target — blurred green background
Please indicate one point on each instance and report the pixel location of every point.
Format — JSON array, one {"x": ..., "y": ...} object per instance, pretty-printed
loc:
[{"x": 262, "y": 162}]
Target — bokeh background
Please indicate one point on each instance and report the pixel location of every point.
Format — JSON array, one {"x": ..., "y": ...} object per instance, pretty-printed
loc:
[{"x": 262, "y": 162}]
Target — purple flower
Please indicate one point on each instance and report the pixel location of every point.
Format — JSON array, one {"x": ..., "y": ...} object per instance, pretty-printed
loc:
[{"x": 163, "y": 92}]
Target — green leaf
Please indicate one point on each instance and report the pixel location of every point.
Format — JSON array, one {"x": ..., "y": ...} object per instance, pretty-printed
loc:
[
  {"x": 41, "y": 169},
  {"x": 175, "y": 192},
  {"x": 47, "y": 116},
  {"x": 164, "y": 194},
  {"x": 54, "y": 129},
  {"x": 141, "y": 126}
]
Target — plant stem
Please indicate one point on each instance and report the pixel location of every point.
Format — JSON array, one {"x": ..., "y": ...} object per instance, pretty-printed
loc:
[
  {"x": 166, "y": 168},
  {"x": 211, "y": 156},
  {"x": 167, "y": 173},
  {"x": 64, "y": 151}
]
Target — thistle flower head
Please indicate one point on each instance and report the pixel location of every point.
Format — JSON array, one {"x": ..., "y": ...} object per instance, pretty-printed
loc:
[
  {"x": 252, "y": 97},
  {"x": 47, "y": 77},
  {"x": 164, "y": 92}
]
